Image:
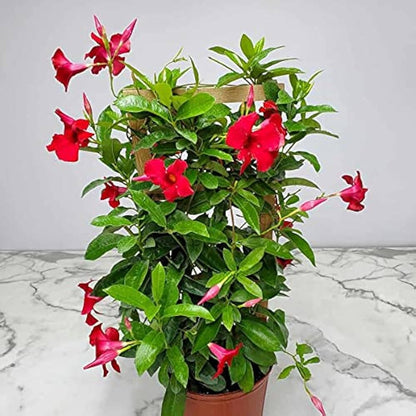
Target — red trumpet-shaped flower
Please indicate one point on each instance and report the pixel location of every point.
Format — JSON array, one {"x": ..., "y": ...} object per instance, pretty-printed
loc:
[
  {"x": 107, "y": 348},
  {"x": 250, "y": 303},
  {"x": 262, "y": 144},
  {"x": 112, "y": 192},
  {"x": 67, "y": 145},
  {"x": 174, "y": 185},
  {"x": 269, "y": 107},
  {"x": 65, "y": 69},
  {"x": 318, "y": 404},
  {"x": 283, "y": 263},
  {"x": 108, "y": 52},
  {"x": 89, "y": 303},
  {"x": 354, "y": 194},
  {"x": 223, "y": 356},
  {"x": 308, "y": 205}
]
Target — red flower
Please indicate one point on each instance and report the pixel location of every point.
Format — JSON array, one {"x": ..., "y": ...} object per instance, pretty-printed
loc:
[
  {"x": 308, "y": 205},
  {"x": 67, "y": 145},
  {"x": 108, "y": 53},
  {"x": 286, "y": 224},
  {"x": 318, "y": 404},
  {"x": 250, "y": 303},
  {"x": 283, "y": 263},
  {"x": 355, "y": 194},
  {"x": 89, "y": 303},
  {"x": 269, "y": 108},
  {"x": 65, "y": 69},
  {"x": 107, "y": 348},
  {"x": 262, "y": 145},
  {"x": 223, "y": 356},
  {"x": 112, "y": 192},
  {"x": 171, "y": 179}
]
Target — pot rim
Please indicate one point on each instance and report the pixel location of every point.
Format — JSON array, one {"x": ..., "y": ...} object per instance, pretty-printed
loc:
[{"x": 231, "y": 395}]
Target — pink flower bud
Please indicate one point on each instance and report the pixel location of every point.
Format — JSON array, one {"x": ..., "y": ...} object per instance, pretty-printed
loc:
[
  {"x": 318, "y": 404},
  {"x": 210, "y": 294},
  {"x": 127, "y": 323},
  {"x": 87, "y": 105},
  {"x": 250, "y": 97},
  {"x": 306, "y": 206},
  {"x": 250, "y": 303}
]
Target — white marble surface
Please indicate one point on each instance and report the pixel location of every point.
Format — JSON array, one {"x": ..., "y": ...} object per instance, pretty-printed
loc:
[{"x": 358, "y": 308}]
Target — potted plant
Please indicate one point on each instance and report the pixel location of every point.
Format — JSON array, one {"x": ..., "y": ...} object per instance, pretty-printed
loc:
[{"x": 205, "y": 210}]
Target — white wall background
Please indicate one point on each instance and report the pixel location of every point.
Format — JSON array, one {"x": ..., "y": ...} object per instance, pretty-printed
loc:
[{"x": 368, "y": 51}]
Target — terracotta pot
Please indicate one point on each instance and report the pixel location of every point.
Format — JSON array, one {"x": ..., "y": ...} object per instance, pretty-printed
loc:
[{"x": 228, "y": 404}]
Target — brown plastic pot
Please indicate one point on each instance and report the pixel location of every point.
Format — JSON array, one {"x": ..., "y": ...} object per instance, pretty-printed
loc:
[{"x": 228, "y": 404}]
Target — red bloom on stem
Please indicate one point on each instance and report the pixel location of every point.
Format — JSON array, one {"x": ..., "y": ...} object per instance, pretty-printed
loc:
[
  {"x": 286, "y": 224},
  {"x": 75, "y": 136},
  {"x": 174, "y": 185},
  {"x": 283, "y": 263},
  {"x": 318, "y": 404},
  {"x": 250, "y": 97},
  {"x": 308, "y": 205},
  {"x": 223, "y": 356},
  {"x": 108, "y": 52},
  {"x": 355, "y": 194},
  {"x": 65, "y": 69},
  {"x": 269, "y": 107},
  {"x": 107, "y": 348},
  {"x": 112, "y": 192},
  {"x": 89, "y": 303},
  {"x": 262, "y": 144}
]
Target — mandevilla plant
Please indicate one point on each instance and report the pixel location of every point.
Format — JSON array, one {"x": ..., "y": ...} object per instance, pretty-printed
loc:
[{"x": 207, "y": 228}]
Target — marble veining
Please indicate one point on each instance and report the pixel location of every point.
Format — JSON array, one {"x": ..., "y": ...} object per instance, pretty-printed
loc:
[{"x": 357, "y": 308}]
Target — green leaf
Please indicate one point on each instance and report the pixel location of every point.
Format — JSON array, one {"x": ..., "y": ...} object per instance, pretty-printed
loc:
[
  {"x": 101, "y": 244},
  {"x": 227, "y": 78},
  {"x": 219, "y": 196},
  {"x": 318, "y": 108},
  {"x": 205, "y": 334},
  {"x": 187, "y": 134},
  {"x": 188, "y": 310},
  {"x": 278, "y": 72},
  {"x": 194, "y": 248},
  {"x": 188, "y": 226},
  {"x": 94, "y": 184},
  {"x": 238, "y": 368},
  {"x": 286, "y": 372},
  {"x": 147, "y": 204},
  {"x": 250, "y": 286},
  {"x": 249, "y": 212},
  {"x": 208, "y": 180},
  {"x": 271, "y": 90},
  {"x": 249, "y": 197},
  {"x": 133, "y": 297},
  {"x": 247, "y": 46},
  {"x": 178, "y": 364},
  {"x": 151, "y": 139},
  {"x": 298, "y": 182},
  {"x": 312, "y": 159},
  {"x": 252, "y": 259},
  {"x": 257, "y": 355},
  {"x": 229, "y": 259},
  {"x": 151, "y": 346},
  {"x": 158, "y": 282},
  {"x": 110, "y": 220},
  {"x": 302, "y": 245},
  {"x": 164, "y": 93},
  {"x": 284, "y": 98},
  {"x": 173, "y": 403},
  {"x": 313, "y": 360},
  {"x": 303, "y": 349},
  {"x": 195, "y": 106},
  {"x": 139, "y": 104},
  {"x": 110, "y": 149},
  {"x": 228, "y": 318},
  {"x": 126, "y": 243},
  {"x": 218, "y": 154},
  {"x": 270, "y": 246},
  {"x": 259, "y": 334},
  {"x": 136, "y": 275},
  {"x": 247, "y": 382},
  {"x": 303, "y": 371}
]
